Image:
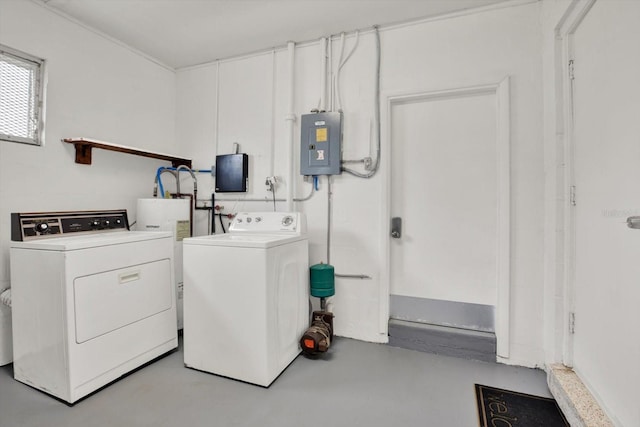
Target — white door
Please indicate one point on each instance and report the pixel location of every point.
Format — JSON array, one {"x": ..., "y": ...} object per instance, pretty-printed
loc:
[
  {"x": 445, "y": 188},
  {"x": 606, "y": 89}
]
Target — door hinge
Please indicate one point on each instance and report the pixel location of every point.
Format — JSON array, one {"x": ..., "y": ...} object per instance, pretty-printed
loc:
[
  {"x": 571, "y": 70},
  {"x": 572, "y": 195},
  {"x": 572, "y": 323}
]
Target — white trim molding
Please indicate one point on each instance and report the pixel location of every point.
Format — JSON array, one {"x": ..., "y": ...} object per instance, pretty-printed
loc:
[
  {"x": 503, "y": 161},
  {"x": 564, "y": 54}
]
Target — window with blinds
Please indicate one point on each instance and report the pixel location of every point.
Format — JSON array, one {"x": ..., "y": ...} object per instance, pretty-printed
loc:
[{"x": 21, "y": 97}]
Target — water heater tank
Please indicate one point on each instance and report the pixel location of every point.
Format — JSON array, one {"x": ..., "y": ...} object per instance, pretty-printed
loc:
[{"x": 168, "y": 215}]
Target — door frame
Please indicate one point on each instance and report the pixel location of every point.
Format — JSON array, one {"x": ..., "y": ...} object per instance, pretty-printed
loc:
[
  {"x": 565, "y": 181},
  {"x": 503, "y": 242}
]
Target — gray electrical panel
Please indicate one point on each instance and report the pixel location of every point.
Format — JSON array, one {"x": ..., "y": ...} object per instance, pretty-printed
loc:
[{"x": 321, "y": 144}]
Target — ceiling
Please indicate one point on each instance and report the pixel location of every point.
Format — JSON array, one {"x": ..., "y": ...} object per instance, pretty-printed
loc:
[{"x": 182, "y": 33}]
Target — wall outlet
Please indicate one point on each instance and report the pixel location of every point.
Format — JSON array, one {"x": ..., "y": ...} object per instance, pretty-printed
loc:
[{"x": 270, "y": 183}]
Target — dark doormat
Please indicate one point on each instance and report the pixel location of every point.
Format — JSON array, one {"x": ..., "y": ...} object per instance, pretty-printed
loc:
[{"x": 505, "y": 408}]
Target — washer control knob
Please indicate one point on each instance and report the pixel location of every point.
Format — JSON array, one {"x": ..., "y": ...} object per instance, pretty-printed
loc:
[
  {"x": 106, "y": 223},
  {"x": 249, "y": 219},
  {"x": 239, "y": 220},
  {"x": 287, "y": 220},
  {"x": 258, "y": 218},
  {"x": 42, "y": 227},
  {"x": 94, "y": 223},
  {"x": 118, "y": 221}
]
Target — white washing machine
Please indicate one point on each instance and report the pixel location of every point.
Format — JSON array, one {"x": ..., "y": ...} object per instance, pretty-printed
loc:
[
  {"x": 246, "y": 297},
  {"x": 91, "y": 300}
]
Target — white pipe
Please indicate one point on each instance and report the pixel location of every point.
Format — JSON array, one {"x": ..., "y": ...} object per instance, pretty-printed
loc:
[
  {"x": 274, "y": 85},
  {"x": 330, "y": 59},
  {"x": 323, "y": 74},
  {"x": 217, "y": 125},
  {"x": 337, "y": 75},
  {"x": 353, "y": 48},
  {"x": 328, "y": 304},
  {"x": 290, "y": 119}
]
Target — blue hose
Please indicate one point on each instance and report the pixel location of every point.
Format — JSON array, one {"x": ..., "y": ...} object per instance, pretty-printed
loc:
[
  {"x": 163, "y": 168},
  {"x": 160, "y": 169}
]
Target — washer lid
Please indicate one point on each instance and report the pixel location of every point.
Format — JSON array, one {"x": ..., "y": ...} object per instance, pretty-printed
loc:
[
  {"x": 242, "y": 240},
  {"x": 72, "y": 243}
]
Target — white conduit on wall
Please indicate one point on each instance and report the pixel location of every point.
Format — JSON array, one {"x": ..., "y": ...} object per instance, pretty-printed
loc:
[
  {"x": 323, "y": 75},
  {"x": 290, "y": 119}
]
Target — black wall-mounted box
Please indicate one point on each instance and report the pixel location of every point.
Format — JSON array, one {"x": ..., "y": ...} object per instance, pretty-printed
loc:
[{"x": 232, "y": 171}]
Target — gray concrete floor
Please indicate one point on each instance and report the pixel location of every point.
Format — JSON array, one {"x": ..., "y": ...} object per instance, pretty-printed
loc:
[{"x": 357, "y": 384}]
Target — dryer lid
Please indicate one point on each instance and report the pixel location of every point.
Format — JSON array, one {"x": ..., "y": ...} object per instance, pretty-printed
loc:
[{"x": 86, "y": 241}]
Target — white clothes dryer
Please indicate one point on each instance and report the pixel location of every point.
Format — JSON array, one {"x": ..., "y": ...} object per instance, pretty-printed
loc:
[
  {"x": 91, "y": 300},
  {"x": 246, "y": 297}
]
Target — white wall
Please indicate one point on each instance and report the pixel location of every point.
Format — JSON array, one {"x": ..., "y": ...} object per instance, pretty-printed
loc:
[
  {"x": 101, "y": 90},
  {"x": 607, "y": 369},
  {"x": 551, "y": 15},
  {"x": 96, "y": 89},
  {"x": 467, "y": 50}
]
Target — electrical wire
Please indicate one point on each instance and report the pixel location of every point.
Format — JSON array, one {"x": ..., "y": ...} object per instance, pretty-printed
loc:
[
  {"x": 376, "y": 162},
  {"x": 336, "y": 77},
  {"x": 265, "y": 199},
  {"x": 323, "y": 74},
  {"x": 304, "y": 199},
  {"x": 353, "y": 48},
  {"x": 273, "y": 191},
  {"x": 341, "y": 63},
  {"x": 221, "y": 223}
]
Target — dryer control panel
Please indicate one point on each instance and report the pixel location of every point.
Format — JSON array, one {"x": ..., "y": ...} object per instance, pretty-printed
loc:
[{"x": 30, "y": 226}]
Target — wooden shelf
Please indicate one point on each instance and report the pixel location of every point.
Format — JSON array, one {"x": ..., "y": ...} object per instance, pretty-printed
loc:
[{"x": 84, "y": 147}]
